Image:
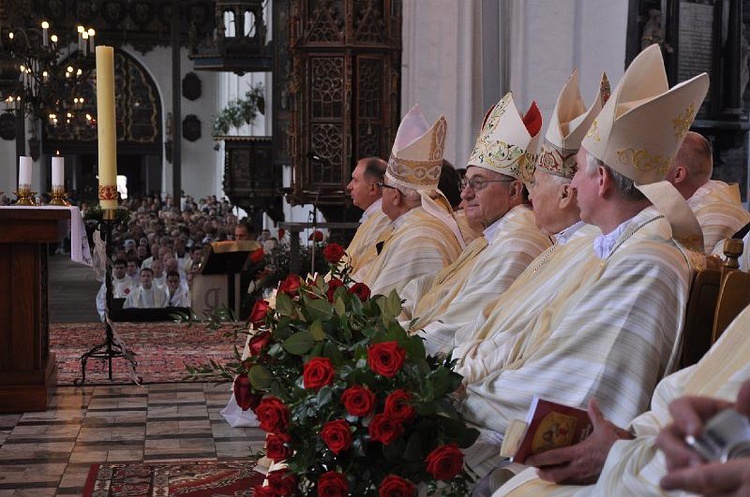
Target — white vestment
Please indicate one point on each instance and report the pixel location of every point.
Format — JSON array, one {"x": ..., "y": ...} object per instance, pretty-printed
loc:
[
  {"x": 718, "y": 208},
  {"x": 361, "y": 251},
  {"x": 483, "y": 346},
  {"x": 609, "y": 333},
  {"x": 417, "y": 244},
  {"x": 634, "y": 467},
  {"x": 143, "y": 298},
  {"x": 514, "y": 242}
]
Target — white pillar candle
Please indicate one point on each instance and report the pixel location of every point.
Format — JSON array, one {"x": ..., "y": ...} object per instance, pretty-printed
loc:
[
  {"x": 58, "y": 171},
  {"x": 24, "y": 172},
  {"x": 106, "y": 126}
]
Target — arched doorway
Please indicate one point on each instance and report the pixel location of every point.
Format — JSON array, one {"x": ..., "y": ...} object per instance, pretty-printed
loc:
[{"x": 139, "y": 133}]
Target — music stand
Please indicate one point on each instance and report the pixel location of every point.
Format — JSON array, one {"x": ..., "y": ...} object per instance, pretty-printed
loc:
[{"x": 228, "y": 258}]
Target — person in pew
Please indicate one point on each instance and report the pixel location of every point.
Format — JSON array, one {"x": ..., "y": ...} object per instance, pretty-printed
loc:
[
  {"x": 616, "y": 461},
  {"x": 612, "y": 331},
  {"x": 146, "y": 295},
  {"x": 495, "y": 197},
  {"x": 122, "y": 285},
  {"x": 717, "y": 205},
  {"x": 132, "y": 271},
  {"x": 423, "y": 237},
  {"x": 160, "y": 276},
  {"x": 177, "y": 292}
]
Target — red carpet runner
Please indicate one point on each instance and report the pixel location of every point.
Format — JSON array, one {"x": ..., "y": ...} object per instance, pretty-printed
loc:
[
  {"x": 162, "y": 350},
  {"x": 194, "y": 479}
]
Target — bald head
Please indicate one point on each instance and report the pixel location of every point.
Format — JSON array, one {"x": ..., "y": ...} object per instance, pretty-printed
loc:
[{"x": 693, "y": 165}]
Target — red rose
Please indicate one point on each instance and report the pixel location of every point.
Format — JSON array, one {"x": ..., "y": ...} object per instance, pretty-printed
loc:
[
  {"x": 337, "y": 436},
  {"x": 316, "y": 236},
  {"x": 333, "y": 253},
  {"x": 333, "y": 484},
  {"x": 290, "y": 285},
  {"x": 282, "y": 232},
  {"x": 384, "y": 429},
  {"x": 261, "y": 491},
  {"x": 317, "y": 373},
  {"x": 386, "y": 358},
  {"x": 259, "y": 342},
  {"x": 259, "y": 312},
  {"x": 243, "y": 393},
  {"x": 333, "y": 284},
  {"x": 282, "y": 482},
  {"x": 277, "y": 446},
  {"x": 445, "y": 462},
  {"x": 273, "y": 415},
  {"x": 395, "y": 486},
  {"x": 398, "y": 406},
  {"x": 256, "y": 255},
  {"x": 358, "y": 401},
  {"x": 360, "y": 290}
]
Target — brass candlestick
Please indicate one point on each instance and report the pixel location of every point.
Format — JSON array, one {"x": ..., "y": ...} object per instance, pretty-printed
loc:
[
  {"x": 25, "y": 196},
  {"x": 59, "y": 196}
]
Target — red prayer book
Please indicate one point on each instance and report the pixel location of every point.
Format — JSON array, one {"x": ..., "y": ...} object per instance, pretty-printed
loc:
[{"x": 548, "y": 425}]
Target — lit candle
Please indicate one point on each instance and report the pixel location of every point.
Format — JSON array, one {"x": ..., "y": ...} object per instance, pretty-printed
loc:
[
  {"x": 45, "y": 33},
  {"x": 80, "y": 39},
  {"x": 92, "y": 45},
  {"x": 105, "y": 123},
  {"x": 58, "y": 171},
  {"x": 85, "y": 37},
  {"x": 24, "y": 172}
]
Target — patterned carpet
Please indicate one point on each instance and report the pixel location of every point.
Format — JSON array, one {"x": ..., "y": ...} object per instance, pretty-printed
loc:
[
  {"x": 195, "y": 479},
  {"x": 162, "y": 350}
]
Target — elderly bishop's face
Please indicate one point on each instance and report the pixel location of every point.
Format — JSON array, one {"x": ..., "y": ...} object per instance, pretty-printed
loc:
[
  {"x": 486, "y": 195},
  {"x": 587, "y": 185}
]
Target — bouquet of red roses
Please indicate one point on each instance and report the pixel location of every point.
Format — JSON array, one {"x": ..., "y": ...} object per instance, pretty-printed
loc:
[{"x": 351, "y": 403}]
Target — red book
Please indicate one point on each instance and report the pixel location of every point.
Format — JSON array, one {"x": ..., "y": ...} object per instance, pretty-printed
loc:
[{"x": 548, "y": 425}]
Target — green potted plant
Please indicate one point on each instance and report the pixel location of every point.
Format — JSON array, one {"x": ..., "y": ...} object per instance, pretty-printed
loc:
[{"x": 240, "y": 111}]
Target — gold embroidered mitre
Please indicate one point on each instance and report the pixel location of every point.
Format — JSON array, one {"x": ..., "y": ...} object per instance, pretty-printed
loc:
[
  {"x": 569, "y": 124},
  {"x": 417, "y": 154},
  {"x": 641, "y": 127},
  {"x": 507, "y": 142}
]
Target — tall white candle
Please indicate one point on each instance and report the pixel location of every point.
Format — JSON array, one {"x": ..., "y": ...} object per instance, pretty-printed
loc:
[
  {"x": 105, "y": 124},
  {"x": 58, "y": 171},
  {"x": 24, "y": 172}
]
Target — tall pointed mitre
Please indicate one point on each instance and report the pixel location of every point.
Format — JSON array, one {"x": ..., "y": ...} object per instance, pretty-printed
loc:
[
  {"x": 641, "y": 127},
  {"x": 569, "y": 124},
  {"x": 507, "y": 142},
  {"x": 417, "y": 154}
]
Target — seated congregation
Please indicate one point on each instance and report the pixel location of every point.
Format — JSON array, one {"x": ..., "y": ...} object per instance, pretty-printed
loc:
[{"x": 565, "y": 274}]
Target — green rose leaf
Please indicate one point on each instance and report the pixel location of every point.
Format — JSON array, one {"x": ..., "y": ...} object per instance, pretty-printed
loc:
[
  {"x": 299, "y": 343},
  {"x": 413, "y": 450},
  {"x": 340, "y": 306},
  {"x": 319, "y": 309},
  {"x": 316, "y": 330},
  {"x": 284, "y": 304},
  {"x": 259, "y": 377}
]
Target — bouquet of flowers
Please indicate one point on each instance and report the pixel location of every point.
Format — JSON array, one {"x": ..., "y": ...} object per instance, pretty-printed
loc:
[{"x": 350, "y": 402}]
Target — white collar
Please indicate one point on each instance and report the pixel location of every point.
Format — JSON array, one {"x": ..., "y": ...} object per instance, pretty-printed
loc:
[
  {"x": 565, "y": 235},
  {"x": 603, "y": 244},
  {"x": 373, "y": 209}
]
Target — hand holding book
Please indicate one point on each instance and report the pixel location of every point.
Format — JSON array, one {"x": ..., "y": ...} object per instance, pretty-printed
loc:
[{"x": 566, "y": 459}]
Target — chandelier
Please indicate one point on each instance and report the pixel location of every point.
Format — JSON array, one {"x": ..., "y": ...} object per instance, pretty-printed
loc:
[{"x": 51, "y": 73}]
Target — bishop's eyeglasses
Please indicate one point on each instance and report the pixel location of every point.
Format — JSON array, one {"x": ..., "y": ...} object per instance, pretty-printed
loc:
[{"x": 477, "y": 183}]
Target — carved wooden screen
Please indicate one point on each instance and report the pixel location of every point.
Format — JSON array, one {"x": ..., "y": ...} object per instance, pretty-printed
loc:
[{"x": 344, "y": 91}]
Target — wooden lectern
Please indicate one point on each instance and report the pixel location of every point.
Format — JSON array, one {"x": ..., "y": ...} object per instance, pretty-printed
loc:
[{"x": 27, "y": 368}]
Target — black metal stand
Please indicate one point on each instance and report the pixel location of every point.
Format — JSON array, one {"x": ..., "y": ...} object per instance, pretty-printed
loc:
[{"x": 110, "y": 349}]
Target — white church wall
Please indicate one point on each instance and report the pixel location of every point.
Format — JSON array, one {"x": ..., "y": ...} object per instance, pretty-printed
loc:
[
  {"x": 453, "y": 51},
  {"x": 198, "y": 178}
]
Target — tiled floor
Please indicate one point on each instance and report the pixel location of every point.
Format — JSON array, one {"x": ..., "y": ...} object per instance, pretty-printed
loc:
[{"x": 49, "y": 453}]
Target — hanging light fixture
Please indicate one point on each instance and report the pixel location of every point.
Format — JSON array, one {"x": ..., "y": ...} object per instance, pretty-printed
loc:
[{"x": 50, "y": 72}]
